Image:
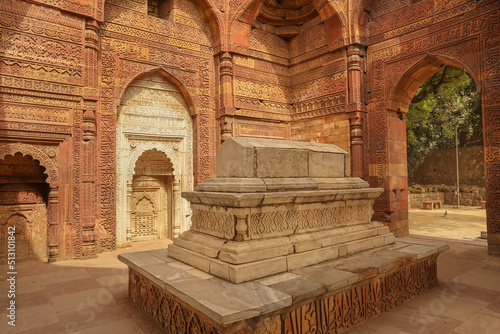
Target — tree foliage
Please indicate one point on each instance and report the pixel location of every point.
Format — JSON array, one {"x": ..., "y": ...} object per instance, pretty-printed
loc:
[{"x": 448, "y": 95}]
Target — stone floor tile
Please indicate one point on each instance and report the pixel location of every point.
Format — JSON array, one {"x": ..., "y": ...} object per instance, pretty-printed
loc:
[
  {"x": 440, "y": 302},
  {"x": 56, "y": 328},
  {"x": 480, "y": 323},
  {"x": 450, "y": 268},
  {"x": 495, "y": 306},
  {"x": 67, "y": 287},
  {"x": 124, "y": 326},
  {"x": 490, "y": 312},
  {"x": 475, "y": 255},
  {"x": 91, "y": 315},
  {"x": 100, "y": 272},
  {"x": 407, "y": 319},
  {"x": 375, "y": 326},
  {"x": 480, "y": 295},
  {"x": 82, "y": 300},
  {"x": 113, "y": 279},
  {"x": 476, "y": 272},
  {"x": 35, "y": 298},
  {"x": 482, "y": 278},
  {"x": 29, "y": 318},
  {"x": 61, "y": 276},
  {"x": 119, "y": 291},
  {"x": 29, "y": 284}
]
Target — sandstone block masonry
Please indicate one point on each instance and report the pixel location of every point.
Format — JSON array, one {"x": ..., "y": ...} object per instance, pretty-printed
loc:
[{"x": 276, "y": 206}]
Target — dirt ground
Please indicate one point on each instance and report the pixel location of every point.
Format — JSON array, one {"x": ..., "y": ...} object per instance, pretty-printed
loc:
[{"x": 465, "y": 222}]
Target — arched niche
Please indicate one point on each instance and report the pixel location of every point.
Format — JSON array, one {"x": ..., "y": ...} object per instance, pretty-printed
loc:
[
  {"x": 289, "y": 19},
  {"x": 152, "y": 210},
  {"x": 154, "y": 123},
  {"x": 24, "y": 200}
]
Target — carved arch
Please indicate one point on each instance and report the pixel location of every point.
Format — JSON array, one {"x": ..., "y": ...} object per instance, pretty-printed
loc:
[
  {"x": 163, "y": 71},
  {"x": 409, "y": 82},
  {"x": 145, "y": 196},
  {"x": 331, "y": 13},
  {"x": 160, "y": 154},
  {"x": 143, "y": 147},
  {"x": 25, "y": 149}
]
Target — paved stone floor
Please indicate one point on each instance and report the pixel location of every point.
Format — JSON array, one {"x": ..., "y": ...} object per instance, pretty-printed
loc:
[
  {"x": 464, "y": 223},
  {"x": 90, "y": 296}
]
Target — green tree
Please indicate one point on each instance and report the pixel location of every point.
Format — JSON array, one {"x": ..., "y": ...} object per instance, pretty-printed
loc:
[{"x": 448, "y": 95}]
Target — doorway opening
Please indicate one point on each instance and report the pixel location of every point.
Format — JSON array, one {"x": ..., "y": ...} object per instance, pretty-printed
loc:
[{"x": 446, "y": 180}]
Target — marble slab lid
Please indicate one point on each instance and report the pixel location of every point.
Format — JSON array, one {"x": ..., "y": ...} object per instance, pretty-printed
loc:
[{"x": 242, "y": 157}]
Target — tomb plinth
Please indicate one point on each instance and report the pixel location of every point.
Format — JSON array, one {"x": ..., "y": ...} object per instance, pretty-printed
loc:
[
  {"x": 281, "y": 242},
  {"x": 276, "y": 206}
]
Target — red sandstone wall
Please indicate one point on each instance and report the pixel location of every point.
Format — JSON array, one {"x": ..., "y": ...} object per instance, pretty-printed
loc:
[
  {"x": 333, "y": 129},
  {"x": 439, "y": 167}
]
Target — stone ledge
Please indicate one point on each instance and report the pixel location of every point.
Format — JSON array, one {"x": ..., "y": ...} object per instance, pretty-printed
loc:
[
  {"x": 257, "y": 185},
  {"x": 257, "y": 199},
  {"x": 278, "y": 293},
  {"x": 239, "y": 262}
]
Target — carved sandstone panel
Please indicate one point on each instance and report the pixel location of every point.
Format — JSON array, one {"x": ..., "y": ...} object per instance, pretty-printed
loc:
[{"x": 342, "y": 311}]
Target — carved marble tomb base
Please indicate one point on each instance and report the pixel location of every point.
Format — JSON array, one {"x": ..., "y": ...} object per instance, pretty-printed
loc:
[
  {"x": 335, "y": 296},
  {"x": 286, "y": 223}
]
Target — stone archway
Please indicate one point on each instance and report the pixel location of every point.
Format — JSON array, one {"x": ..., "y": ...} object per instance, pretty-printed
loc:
[
  {"x": 154, "y": 122},
  {"x": 393, "y": 204},
  {"x": 24, "y": 195}
]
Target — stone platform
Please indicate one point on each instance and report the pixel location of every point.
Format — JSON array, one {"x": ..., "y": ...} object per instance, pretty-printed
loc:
[{"x": 333, "y": 295}]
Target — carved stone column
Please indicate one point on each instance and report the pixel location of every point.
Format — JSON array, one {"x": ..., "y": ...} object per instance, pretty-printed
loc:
[
  {"x": 355, "y": 73},
  {"x": 88, "y": 187},
  {"x": 356, "y": 107},
  {"x": 53, "y": 216},
  {"x": 356, "y": 120},
  {"x": 130, "y": 204},
  {"x": 177, "y": 208},
  {"x": 91, "y": 52},
  {"x": 89, "y": 146},
  {"x": 226, "y": 111}
]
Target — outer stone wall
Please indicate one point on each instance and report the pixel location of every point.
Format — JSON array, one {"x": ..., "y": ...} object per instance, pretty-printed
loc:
[{"x": 439, "y": 167}]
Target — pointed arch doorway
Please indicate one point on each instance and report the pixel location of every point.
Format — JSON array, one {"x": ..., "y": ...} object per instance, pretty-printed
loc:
[{"x": 154, "y": 160}]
